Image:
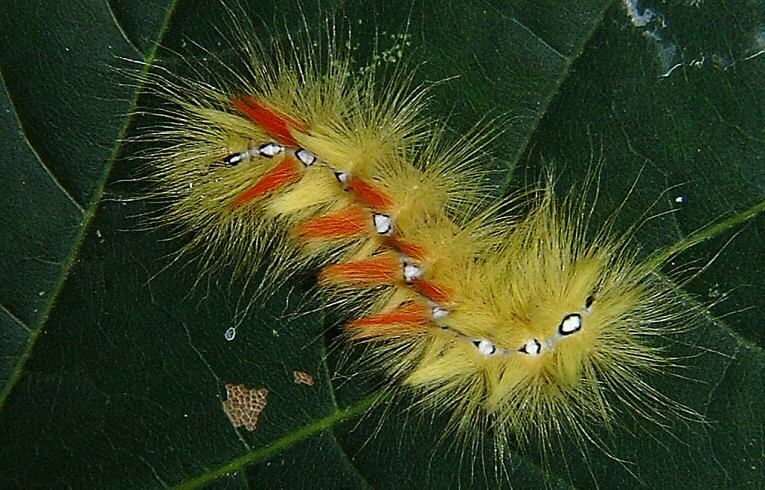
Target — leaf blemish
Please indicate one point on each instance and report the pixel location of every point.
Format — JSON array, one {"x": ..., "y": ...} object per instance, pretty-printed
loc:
[
  {"x": 301, "y": 377},
  {"x": 244, "y": 405}
]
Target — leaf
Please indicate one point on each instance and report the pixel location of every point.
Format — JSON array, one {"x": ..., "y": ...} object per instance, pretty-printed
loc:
[{"x": 114, "y": 369}]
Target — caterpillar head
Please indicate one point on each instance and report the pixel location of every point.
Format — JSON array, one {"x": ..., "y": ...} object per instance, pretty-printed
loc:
[
  {"x": 587, "y": 317},
  {"x": 555, "y": 332}
]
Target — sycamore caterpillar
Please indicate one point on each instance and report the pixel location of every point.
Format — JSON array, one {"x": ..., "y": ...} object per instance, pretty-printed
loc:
[{"x": 522, "y": 323}]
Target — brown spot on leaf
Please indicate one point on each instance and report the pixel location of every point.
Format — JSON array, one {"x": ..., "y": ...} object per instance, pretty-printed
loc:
[
  {"x": 244, "y": 405},
  {"x": 304, "y": 378}
]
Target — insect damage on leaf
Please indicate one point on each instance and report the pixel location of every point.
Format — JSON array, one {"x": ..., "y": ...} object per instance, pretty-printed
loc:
[{"x": 244, "y": 405}]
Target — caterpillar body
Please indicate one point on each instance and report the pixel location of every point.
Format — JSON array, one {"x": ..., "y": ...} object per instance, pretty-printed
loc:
[{"x": 523, "y": 323}]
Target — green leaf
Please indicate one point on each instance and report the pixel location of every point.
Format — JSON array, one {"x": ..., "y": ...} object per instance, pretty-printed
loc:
[{"x": 113, "y": 367}]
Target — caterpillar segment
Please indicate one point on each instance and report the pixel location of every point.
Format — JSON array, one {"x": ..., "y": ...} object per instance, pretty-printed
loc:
[{"x": 385, "y": 221}]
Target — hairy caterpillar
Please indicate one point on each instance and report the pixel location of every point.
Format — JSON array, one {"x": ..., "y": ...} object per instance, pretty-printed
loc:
[
  {"x": 365, "y": 218},
  {"x": 114, "y": 375}
]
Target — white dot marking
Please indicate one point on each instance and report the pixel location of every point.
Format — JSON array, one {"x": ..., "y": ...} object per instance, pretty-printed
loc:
[
  {"x": 383, "y": 224},
  {"x": 270, "y": 149},
  {"x": 532, "y": 347},
  {"x": 411, "y": 272},
  {"x": 486, "y": 347},
  {"x": 570, "y": 324},
  {"x": 342, "y": 177},
  {"x": 437, "y": 312},
  {"x": 306, "y": 157}
]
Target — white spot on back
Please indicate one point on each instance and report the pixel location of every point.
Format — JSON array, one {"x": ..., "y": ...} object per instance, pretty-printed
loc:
[
  {"x": 412, "y": 272},
  {"x": 383, "y": 223},
  {"x": 270, "y": 149},
  {"x": 486, "y": 347},
  {"x": 532, "y": 348},
  {"x": 437, "y": 312},
  {"x": 306, "y": 157},
  {"x": 342, "y": 177}
]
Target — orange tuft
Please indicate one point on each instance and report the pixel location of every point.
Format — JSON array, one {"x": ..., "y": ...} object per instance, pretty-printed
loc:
[
  {"x": 409, "y": 319},
  {"x": 368, "y": 194},
  {"x": 380, "y": 269},
  {"x": 407, "y": 248},
  {"x": 350, "y": 222},
  {"x": 434, "y": 292},
  {"x": 273, "y": 122},
  {"x": 286, "y": 172}
]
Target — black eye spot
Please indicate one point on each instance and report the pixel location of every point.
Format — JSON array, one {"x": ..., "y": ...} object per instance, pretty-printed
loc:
[{"x": 589, "y": 301}]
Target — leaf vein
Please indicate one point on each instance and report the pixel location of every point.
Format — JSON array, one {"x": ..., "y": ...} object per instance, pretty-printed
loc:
[
  {"x": 529, "y": 31},
  {"x": 547, "y": 101},
  {"x": 88, "y": 216},
  {"x": 118, "y": 24},
  {"x": 278, "y": 445},
  {"x": 16, "y": 319},
  {"x": 34, "y": 151}
]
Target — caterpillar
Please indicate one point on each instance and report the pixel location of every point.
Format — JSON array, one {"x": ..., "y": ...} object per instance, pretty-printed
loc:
[{"x": 520, "y": 325}]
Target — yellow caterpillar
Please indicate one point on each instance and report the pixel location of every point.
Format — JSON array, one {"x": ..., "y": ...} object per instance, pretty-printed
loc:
[{"x": 524, "y": 324}]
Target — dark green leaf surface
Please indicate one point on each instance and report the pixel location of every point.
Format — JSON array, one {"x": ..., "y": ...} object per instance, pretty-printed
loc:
[{"x": 113, "y": 368}]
